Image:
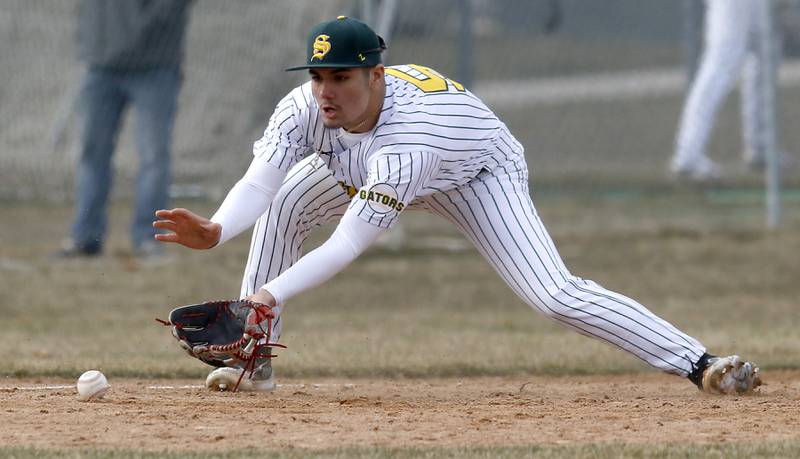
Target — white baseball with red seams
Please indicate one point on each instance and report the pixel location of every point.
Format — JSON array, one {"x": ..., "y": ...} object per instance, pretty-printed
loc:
[{"x": 92, "y": 385}]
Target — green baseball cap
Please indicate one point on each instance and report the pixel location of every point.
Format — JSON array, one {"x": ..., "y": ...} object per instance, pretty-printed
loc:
[{"x": 341, "y": 43}]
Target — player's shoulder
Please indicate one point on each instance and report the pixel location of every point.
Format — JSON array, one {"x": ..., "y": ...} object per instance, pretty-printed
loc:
[
  {"x": 403, "y": 71},
  {"x": 419, "y": 92},
  {"x": 422, "y": 80},
  {"x": 414, "y": 84}
]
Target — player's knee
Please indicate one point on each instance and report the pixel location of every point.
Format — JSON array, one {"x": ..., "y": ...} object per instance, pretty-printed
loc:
[{"x": 557, "y": 301}]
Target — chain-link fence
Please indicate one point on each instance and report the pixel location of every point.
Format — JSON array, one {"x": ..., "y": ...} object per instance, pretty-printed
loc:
[{"x": 592, "y": 89}]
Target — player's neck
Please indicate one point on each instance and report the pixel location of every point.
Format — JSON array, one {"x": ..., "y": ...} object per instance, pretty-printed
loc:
[{"x": 373, "y": 112}]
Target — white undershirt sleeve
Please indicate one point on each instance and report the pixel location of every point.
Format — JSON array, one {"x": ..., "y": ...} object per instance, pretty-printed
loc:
[
  {"x": 351, "y": 237},
  {"x": 248, "y": 199}
]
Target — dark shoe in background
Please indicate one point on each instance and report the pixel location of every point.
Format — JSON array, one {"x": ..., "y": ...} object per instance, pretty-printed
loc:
[
  {"x": 758, "y": 163},
  {"x": 71, "y": 250}
]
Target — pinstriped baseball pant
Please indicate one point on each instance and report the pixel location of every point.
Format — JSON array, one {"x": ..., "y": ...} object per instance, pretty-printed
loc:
[{"x": 496, "y": 213}]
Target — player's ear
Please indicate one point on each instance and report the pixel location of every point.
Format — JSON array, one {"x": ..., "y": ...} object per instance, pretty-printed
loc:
[{"x": 376, "y": 74}]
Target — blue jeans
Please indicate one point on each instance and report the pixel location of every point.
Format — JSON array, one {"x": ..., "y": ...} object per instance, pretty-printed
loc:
[{"x": 104, "y": 96}]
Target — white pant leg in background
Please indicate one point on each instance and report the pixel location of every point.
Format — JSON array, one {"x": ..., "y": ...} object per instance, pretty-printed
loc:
[
  {"x": 497, "y": 214},
  {"x": 309, "y": 197},
  {"x": 754, "y": 108},
  {"x": 727, "y": 33}
]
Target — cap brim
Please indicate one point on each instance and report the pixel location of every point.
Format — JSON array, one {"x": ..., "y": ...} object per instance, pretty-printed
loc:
[{"x": 328, "y": 66}]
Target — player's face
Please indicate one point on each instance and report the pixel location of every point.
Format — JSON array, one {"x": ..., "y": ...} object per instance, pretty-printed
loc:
[{"x": 343, "y": 95}]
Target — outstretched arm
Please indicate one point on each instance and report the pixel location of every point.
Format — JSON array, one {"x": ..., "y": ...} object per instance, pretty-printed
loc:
[
  {"x": 351, "y": 237},
  {"x": 247, "y": 200},
  {"x": 281, "y": 146}
]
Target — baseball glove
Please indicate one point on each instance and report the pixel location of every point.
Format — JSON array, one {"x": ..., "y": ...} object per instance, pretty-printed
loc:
[{"x": 228, "y": 333}]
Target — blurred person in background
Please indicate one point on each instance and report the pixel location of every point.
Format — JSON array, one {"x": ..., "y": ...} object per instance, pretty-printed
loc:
[
  {"x": 133, "y": 51},
  {"x": 733, "y": 37}
]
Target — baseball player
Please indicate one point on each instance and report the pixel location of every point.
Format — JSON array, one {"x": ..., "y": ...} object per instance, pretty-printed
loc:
[
  {"x": 362, "y": 143},
  {"x": 732, "y": 40}
]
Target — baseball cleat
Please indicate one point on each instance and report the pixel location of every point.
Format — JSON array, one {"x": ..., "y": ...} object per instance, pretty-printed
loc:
[
  {"x": 730, "y": 376},
  {"x": 224, "y": 379}
]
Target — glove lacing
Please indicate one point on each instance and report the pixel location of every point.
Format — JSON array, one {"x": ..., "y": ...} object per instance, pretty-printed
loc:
[{"x": 250, "y": 346}]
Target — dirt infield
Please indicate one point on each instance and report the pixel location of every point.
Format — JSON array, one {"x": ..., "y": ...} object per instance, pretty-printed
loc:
[{"x": 180, "y": 415}]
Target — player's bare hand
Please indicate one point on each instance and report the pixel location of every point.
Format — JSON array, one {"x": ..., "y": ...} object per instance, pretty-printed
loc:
[{"x": 187, "y": 228}]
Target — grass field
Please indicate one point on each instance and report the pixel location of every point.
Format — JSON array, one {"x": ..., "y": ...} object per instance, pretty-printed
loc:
[
  {"x": 699, "y": 258},
  {"x": 784, "y": 450},
  {"x": 706, "y": 266}
]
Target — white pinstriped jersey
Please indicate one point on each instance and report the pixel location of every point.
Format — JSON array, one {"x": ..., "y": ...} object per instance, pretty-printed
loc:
[
  {"x": 438, "y": 147},
  {"x": 432, "y": 136}
]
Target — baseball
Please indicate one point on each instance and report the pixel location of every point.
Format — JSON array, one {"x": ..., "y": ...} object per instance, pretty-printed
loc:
[{"x": 92, "y": 385}]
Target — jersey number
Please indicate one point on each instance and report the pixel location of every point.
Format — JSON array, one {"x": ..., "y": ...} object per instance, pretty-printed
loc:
[{"x": 434, "y": 82}]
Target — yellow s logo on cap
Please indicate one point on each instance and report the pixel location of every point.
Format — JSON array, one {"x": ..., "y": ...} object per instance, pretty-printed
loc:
[{"x": 321, "y": 47}]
